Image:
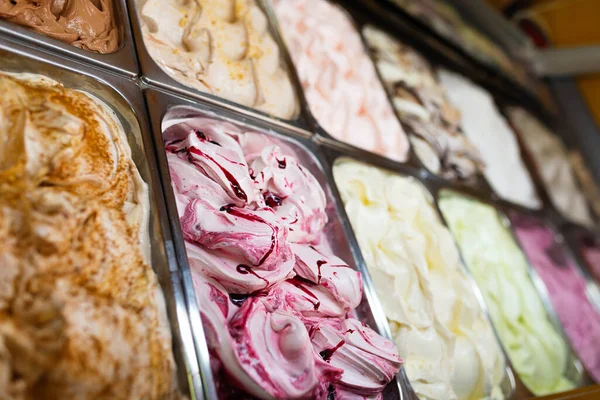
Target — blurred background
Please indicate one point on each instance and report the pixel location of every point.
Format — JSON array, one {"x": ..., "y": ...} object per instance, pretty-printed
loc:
[{"x": 561, "y": 24}]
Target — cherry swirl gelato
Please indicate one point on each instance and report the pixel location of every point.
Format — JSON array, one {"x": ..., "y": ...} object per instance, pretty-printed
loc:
[{"x": 274, "y": 300}]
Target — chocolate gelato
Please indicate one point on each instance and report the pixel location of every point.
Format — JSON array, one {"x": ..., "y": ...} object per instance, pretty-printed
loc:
[{"x": 87, "y": 24}]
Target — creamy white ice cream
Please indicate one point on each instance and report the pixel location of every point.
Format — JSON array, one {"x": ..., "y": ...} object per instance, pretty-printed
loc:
[
  {"x": 448, "y": 345},
  {"x": 493, "y": 137}
]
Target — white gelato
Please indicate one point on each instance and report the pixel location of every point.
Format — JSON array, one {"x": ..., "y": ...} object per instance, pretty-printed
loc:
[
  {"x": 493, "y": 137},
  {"x": 448, "y": 345}
]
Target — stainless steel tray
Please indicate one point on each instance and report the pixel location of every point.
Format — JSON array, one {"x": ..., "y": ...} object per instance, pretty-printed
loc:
[
  {"x": 542, "y": 189},
  {"x": 511, "y": 382},
  {"x": 313, "y": 123},
  {"x": 480, "y": 181},
  {"x": 575, "y": 370},
  {"x": 369, "y": 311},
  {"x": 125, "y": 98},
  {"x": 153, "y": 75},
  {"x": 122, "y": 61}
]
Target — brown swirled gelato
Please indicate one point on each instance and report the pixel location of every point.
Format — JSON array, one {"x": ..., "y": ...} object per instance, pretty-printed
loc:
[
  {"x": 87, "y": 24},
  {"x": 81, "y": 312}
]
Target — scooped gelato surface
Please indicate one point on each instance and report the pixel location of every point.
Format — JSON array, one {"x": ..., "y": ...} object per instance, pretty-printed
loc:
[
  {"x": 552, "y": 161},
  {"x": 493, "y": 137},
  {"x": 423, "y": 108},
  {"x": 87, "y": 24},
  {"x": 339, "y": 79},
  {"x": 537, "y": 351},
  {"x": 566, "y": 287},
  {"x": 222, "y": 47},
  {"x": 275, "y": 301},
  {"x": 447, "y": 343},
  {"x": 81, "y": 312}
]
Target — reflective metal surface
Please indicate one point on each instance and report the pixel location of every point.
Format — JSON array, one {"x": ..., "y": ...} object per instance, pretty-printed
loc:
[
  {"x": 571, "y": 236},
  {"x": 122, "y": 61},
  {"x": 125, "y": 98}
]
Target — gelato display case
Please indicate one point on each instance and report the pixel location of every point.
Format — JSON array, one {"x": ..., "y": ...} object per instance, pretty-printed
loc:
[{"x": 286, "y": 199}]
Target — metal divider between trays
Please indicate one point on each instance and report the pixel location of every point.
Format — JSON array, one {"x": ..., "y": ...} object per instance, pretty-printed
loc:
[
  {"x": 122, "y": 61},
  {"x": 570, "y": 235},
  {"x": 153, "y": 75},
  {"x": 159, "y": 102},
  {"x": 124, "y": 97}
]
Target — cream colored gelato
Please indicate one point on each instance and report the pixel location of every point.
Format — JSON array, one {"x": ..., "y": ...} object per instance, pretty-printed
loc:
[
  {"x": 423, "y": 108},
  {"x": 448, "y": 345},
  {"x": 81, "y": 312},
  {"x": 339, "y": 79},
  {"x": 222, "y": 47},
  {"x": 491, "y": 134},
  {"x": 551, "y": 159},
  {"x": 537, "y": 351}
]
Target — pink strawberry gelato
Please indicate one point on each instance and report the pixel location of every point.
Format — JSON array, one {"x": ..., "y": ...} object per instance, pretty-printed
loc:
[
  {"x": 566, "y": 287},
  {"x": 274, "y": 301},
  {"x": 339, "y": 79}
]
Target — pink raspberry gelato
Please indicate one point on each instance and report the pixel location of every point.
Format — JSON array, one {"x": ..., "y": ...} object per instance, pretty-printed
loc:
[{"x": 275, "y": 302}]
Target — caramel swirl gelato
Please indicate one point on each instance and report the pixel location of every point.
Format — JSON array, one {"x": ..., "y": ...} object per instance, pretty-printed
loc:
[
  {"x": 81, "y": 312},
  {"x": 87, "y": 24},
  {"x": 222, "y": 47}
]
